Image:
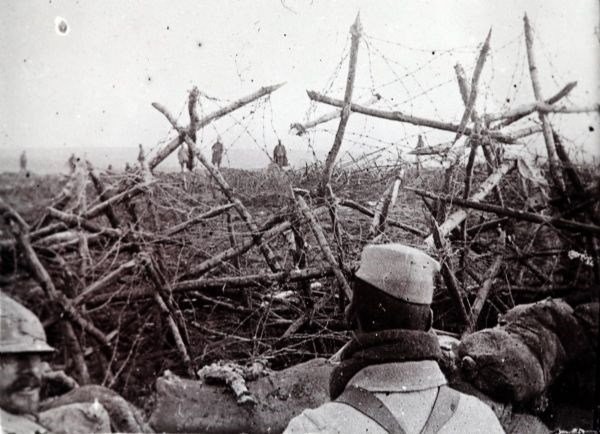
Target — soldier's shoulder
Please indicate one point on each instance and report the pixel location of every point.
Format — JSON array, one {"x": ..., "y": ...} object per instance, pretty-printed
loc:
[
  {"x": 330, "y": 418},
  {"x": 475, "y": 416}
]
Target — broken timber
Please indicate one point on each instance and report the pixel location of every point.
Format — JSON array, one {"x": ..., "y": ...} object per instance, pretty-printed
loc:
[{"x": 485, "y": 188}]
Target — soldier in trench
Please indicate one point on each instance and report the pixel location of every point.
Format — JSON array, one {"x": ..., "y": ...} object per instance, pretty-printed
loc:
[
  {"x": 389, "y": 379},
  {"x": 22, "y": 347}
]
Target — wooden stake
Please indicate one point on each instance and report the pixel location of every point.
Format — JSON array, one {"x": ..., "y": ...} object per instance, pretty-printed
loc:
[
  {"x": 537, "y": 91},
  {"x": 355, "y": 31},
  {"x": 470, "y": 104}
]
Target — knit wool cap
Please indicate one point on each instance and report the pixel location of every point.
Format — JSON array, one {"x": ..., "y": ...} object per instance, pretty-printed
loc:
[{"x": 401, "y": 271}]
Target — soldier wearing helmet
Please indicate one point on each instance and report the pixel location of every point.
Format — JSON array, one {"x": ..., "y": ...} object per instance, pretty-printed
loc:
[
  {"x": 22, "y": 345},
  {"x": 389, "y": 379}
]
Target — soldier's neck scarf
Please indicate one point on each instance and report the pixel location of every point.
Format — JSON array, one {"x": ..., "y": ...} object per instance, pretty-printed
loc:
[{"x": 388, "y": 346}]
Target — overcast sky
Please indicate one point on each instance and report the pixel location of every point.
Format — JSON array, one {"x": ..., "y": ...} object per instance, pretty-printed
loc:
[{"x": 93, "y": 85}]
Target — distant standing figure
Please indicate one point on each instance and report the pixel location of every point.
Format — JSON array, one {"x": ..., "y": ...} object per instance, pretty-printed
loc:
[
  {"x": 280, "y": 155},
  {"x": 127, "y": 167},
  {"x": 217, "y": 152},
  {"x": 72, "y": 163},
  {"x": 23, "y": 162},
  {"x": 141, "y": 155},
  {"x": 185, "y": 156}
]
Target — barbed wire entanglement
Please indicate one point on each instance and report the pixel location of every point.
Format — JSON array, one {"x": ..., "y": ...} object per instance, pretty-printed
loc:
[{"x": 452, "y": 153}]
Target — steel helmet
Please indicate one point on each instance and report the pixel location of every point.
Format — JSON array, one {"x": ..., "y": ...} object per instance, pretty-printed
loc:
[{"x": 20, "y": 330}]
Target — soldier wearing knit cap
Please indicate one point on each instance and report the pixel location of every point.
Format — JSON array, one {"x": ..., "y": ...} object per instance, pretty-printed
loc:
[{"x": 389, "y": 379}]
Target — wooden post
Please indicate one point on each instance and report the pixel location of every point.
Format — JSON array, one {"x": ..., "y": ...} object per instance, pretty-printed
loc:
[
  {"x": 470, "y": 104},
  {"x": 355, "y": 31},
  {"x": 537, "y": 91},
  {"x": 420, "y": 146},
  {"x": 486, "y": 145}
]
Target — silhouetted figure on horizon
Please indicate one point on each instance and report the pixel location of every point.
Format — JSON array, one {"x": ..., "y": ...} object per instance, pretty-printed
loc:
[
  {"x": 217, "y": 152},
  {"x": 23, "y": 162},
  {"x": 141, "y": 155},
  {"x": 280, "y": 155},
  {"x": 72, "y": 163}
]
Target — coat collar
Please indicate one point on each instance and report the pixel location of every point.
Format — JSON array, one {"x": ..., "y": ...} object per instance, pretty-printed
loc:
[{"x": 400, "y": 377}]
